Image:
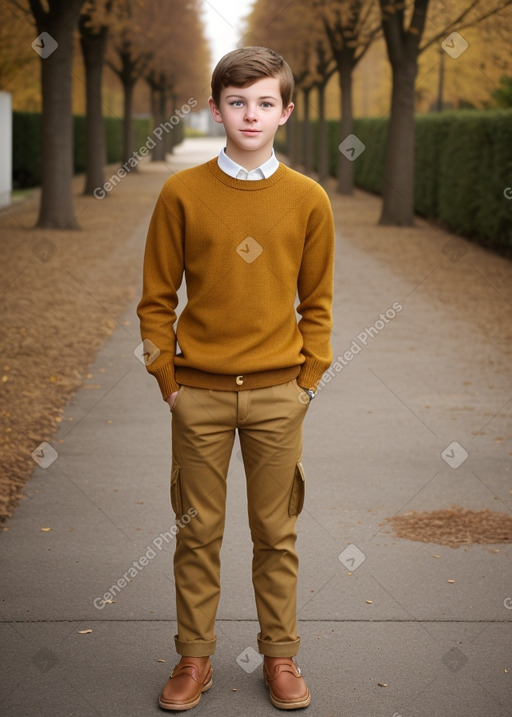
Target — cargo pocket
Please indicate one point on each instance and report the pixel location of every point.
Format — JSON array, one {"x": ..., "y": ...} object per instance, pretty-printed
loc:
[
  {"x": 298, "y": 489},
  {"x": 176, "y": 501}
]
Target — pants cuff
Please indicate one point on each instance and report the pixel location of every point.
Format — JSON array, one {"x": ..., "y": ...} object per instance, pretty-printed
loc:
[
  {"x": 195, "y": 648},
  {"x": 278, "y": 649}
]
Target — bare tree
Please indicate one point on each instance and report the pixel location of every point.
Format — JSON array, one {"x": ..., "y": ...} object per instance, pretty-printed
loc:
[
  {"x": 324, "y": 68},
  {"x": 128, "y": 58},
  {"x": 173, "y": 31},
  {"x": 94, "y": 26},
  {"x": 56, "y": 21},
  {"x": 403, "y": 25},
  {"x": 295, "y": 32},
  {"x": 350, "y": 27}
]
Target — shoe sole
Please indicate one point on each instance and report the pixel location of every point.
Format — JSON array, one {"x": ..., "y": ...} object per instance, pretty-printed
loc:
[
  {"x": 289, "y": 705},
  {"x": 180, "y": 707}
]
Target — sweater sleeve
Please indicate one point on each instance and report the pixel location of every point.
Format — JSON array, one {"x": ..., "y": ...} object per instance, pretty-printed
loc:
[
  {"x": 162, "y": 277},
  {"x": 315, "y": 290}
]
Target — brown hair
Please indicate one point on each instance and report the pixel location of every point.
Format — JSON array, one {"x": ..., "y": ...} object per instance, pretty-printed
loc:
[{"x": 246, "y": 65}]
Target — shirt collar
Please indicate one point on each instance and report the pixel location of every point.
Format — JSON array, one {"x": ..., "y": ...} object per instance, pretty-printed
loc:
[{"x": 264, "y": 171}]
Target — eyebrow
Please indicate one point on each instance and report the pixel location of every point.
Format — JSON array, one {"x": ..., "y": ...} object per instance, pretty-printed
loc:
[{"x": 264, "y": 97}]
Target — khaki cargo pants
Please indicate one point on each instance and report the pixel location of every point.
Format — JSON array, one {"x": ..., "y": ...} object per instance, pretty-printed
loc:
[{"x": 269, "y": 422}]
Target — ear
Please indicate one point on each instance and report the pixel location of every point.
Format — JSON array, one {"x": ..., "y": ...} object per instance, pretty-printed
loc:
[
  {"x": 286, "y": 113},
  {"x": 215, "y": 111}
]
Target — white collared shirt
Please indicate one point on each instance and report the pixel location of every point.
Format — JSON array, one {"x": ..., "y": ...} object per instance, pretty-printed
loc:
[{"x": 264, "y": 171}]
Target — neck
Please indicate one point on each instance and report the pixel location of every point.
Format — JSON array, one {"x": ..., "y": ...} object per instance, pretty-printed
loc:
[{"x": 249, "y": 160}]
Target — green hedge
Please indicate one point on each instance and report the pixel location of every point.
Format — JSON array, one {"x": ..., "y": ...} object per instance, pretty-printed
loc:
[
  {"x": 26, "y": 131},
  {"x": 463, "y": 164}
]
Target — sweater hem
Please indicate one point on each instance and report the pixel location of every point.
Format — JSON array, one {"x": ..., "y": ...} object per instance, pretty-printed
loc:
[{"x": 243, "y": 382}]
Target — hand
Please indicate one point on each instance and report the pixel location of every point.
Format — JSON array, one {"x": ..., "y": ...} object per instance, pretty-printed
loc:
[{"x": 171, "y": 399}]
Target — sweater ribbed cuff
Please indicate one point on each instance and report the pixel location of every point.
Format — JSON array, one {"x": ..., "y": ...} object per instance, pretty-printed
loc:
[
  {"x": 166, "y": 380},
  {"x": 311, "y": 373}
]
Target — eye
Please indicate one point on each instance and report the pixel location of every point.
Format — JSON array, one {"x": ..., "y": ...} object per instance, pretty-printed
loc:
[
  {"x": 236, "y": 103},
  {"x": 266, "y": 105}
]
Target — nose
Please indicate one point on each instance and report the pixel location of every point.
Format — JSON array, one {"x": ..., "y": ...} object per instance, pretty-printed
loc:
[{"x": 250, "y": 113}]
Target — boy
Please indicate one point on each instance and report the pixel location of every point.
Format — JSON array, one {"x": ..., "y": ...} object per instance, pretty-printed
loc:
[{"x": 249, "y": 234}]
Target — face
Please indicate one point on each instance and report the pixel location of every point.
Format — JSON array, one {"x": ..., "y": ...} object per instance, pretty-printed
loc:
[{"x": 251, "y": 116}]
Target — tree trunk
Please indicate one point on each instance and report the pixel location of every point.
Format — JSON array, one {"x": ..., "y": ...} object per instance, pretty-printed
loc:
[
  {"x": 345, "y": 166},
  {"x": 440, "y": 85},
  {"x": 170, "y": 140},
  {"x": 398, "y": 194},
  {"x": 323, "y": 139},
  {"x": 291, "y": 138},
  {"x": 56, "y": 210},
  {"x": 128, "y": 126},
  {"x": 153, "y": 101},
  {"x": 297, "y": 136},
  {"x": 307, "y": 157},
  {"x": 93, "y": 51},
  {"x": 403, "y": 47},
  {"x": 158, "y": 152}
]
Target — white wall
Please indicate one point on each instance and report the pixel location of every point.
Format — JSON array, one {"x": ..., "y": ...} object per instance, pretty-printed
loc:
[{"x": 5, "y": 148}]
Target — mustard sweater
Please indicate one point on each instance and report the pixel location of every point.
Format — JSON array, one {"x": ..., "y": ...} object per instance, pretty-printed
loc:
[{"x": 246, "y": 249}]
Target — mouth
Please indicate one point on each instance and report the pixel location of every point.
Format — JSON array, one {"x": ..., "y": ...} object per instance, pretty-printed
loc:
[{"x": 250, "y": 132}]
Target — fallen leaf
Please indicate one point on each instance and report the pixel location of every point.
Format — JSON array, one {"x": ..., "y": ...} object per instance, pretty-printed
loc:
[
  {"x": 45, "y": 530},
  {"x": 160, "y": 660},
  {"x": 437, "y": 556},
  {"x": 84, "y": 632},
  {"x": 370, "y": 602},
  {"x": 108, "y": 602},
  {"x": 451, "y": 581}
]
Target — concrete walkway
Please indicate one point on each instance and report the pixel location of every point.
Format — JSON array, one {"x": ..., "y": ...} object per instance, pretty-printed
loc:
[{"x": 385, "y": 630}]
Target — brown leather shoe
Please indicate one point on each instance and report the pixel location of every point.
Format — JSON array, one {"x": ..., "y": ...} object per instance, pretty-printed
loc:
[
  {"x": 288, "y": 690},
  {"x": 190, "y": 678}
]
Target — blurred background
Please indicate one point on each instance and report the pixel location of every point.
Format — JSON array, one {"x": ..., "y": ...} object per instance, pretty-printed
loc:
[
  {"x": 402, "y": 107},
  {"x": 423, "y": 85}
]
